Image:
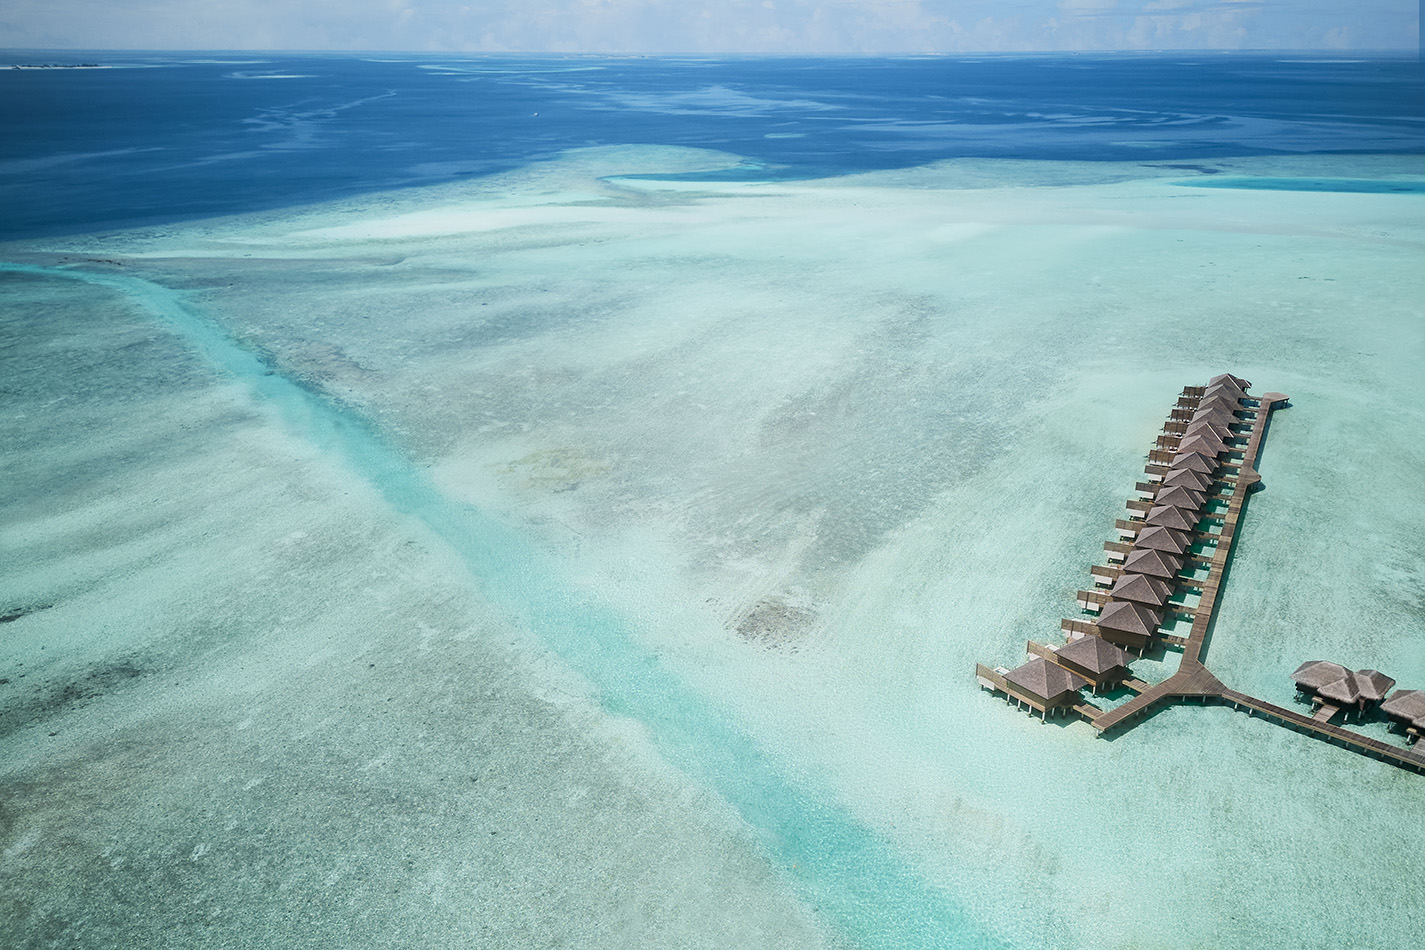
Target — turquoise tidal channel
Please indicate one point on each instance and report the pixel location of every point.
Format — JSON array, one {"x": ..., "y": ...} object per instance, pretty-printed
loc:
[
  {"x": 1358, "y": 186},
  {"x": 851, "y": 876}
]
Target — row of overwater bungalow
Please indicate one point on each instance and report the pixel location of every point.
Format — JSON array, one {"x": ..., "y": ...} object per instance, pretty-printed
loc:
[
  {"x": 1136, "y": 593},
  {"x": 1174, "y": 503},
  {"x": 1331, "y": 687}
]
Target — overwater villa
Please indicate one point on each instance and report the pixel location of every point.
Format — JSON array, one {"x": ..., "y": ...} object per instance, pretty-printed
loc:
[
  {"x": 1104, "y": 665},
  {"x": 1406, "y": 708},
  {"x": 1127, "y": 624},
  {"x": 1044, "y": 686}
]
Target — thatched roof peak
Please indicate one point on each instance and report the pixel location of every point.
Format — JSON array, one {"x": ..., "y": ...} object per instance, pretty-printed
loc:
[
  {"x": 1219, "y": 400},
  {"x": 1140, "y": 589},
  {"x": 1228, "y": 378},
  {"x": 1166, "y": 516},
  {"x": 1407, "y": 705},
  {"x": 1342, "y": 691},
  {"x": 1128, "y": 617},
  {"x": 1203, "y": 442},
  {"x": 1179, "y": 497},
  {"x": 1158, "y": 538},
  {"x": 1372, "y": 684},
  {"x": 1314, "y": 674},
  {"x": 1153, "y": 563},
  {"x": 1216, "y": 413},
  {"x": 1044, "y": 679},
  {"x": 1210, "y": 428},
  {"x": 1231, "y": 392},
  {"x": 1094, "y": 654},
  {"x": 1195, "y": 462},
  {"x": 1195, "y": 481}
]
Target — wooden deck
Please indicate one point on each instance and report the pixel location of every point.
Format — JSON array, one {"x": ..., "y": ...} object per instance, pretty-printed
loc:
[{"x": 1193, "y": 681}]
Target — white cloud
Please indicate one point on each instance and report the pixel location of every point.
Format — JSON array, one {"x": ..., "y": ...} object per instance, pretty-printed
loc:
[{"x": 787, "y": 26}]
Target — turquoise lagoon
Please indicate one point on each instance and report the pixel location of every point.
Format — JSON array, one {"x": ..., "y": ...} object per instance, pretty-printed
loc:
[{"x": 587, "y": 553}]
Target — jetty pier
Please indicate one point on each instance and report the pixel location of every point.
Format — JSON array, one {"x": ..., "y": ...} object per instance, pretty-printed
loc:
[{"x": 1167, "y": 566}]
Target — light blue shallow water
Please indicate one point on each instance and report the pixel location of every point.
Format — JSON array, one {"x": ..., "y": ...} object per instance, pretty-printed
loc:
[
  {"x": 94, "y": 152},
  {"x": 1357, "y": 186},
  {"x": 845, "y": 871}
]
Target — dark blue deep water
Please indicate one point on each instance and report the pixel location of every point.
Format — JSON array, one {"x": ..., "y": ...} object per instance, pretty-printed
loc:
[{"x": 171, "y": 137}]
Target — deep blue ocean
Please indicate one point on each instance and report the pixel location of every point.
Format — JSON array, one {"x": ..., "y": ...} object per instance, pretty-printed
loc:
[{"x": 165, "y": 137}]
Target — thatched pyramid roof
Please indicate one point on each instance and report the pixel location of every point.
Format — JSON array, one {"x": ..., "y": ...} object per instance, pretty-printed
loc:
[
  {"x": 1407, "y": 705},
  {"x": 1157, "y": 538},
  {"x": 1215, "y": 392},
  {"x": 1195, "y": 462},
  {"x": 1206, "y": 444},
  {"x": 1237, "y": 381},
  {"x": 1209, "y": 427},
  {"x": 1343, "y": 690},
  {"x": 1158, "y": 564},
  {"x": 1093, "y": 654},
  {"x": 1166, "y": 516},
  {"x": 1196, "y": 481},
  {"x": 1140, "y": 589},
  {"x": 1128, "y": 617},
  {"x": 1314, "y": 674},
  {"x": 1372, "y": 684},
  {"x": 1217, "y": 414},
  {"x": 1044, "y": 679},
  {"x": 1179, "y": 497},
  {"x": 1220, "y": 400}
]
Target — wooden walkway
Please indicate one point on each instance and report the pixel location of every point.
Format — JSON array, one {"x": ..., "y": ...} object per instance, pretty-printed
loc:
[{"x": 1193, "y": 681}]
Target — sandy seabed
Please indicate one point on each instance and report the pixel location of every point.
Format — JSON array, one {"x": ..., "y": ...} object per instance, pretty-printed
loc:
[{"x": 569, "y": 559}]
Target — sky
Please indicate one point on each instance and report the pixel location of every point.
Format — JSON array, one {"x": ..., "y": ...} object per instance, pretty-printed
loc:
[{"x": 750, "y": 26}]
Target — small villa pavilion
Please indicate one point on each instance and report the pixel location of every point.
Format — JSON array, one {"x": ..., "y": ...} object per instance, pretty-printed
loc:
[
  {"x": 1314, "y": 674},
  {"x": 1127, "y": 624},
  {"x": 1406, "y": 707},
  {"x": 1096, "y": 660},
  {"x": 1047, "y": 687}
]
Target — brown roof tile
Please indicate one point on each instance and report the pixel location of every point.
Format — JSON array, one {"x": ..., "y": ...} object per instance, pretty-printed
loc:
[
  {"x": 1140, "y": 589},
  {"x": 1128, "y": 617},
  {"x": 1314, "y": 674},
  {"x": 1407, "y": 705},
  {"x": 1196, "y": 481},
  {"x": 1156, "y": 538},
  {"x": 1180, "y": 497},
  {"x": 1093, "y": 654},
  {"x": 1045, "y": 680},
  {"x": 1153, "y": 563},
  {"x": 1195, "y": 462},
  {"x": 1166, "y": 516},
  {"x": 1201, "y": 443}
]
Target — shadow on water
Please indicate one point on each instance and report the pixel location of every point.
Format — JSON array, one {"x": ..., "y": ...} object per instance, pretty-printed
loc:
[{"x": 849, "y": 874}]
